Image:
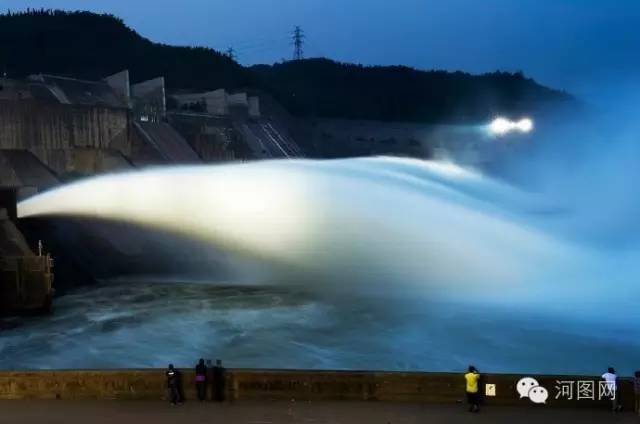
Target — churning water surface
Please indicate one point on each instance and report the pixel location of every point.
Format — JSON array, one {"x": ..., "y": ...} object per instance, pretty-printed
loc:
[
  {"x": 379, "y": 263},
  {"x": 152, "y": 324}
]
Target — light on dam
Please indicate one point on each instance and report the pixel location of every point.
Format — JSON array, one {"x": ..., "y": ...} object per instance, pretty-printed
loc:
[{"x": 502, "y": 126}]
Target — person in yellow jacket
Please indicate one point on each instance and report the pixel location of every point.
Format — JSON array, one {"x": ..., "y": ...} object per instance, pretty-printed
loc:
[{"x": 472, "y": 378}]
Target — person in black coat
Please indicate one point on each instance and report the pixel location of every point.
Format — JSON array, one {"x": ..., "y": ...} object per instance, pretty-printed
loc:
[
  {"x": 218, "y": 381},
  {"x": 173, "y": 385},
  {"x": 201, "y": 380}
]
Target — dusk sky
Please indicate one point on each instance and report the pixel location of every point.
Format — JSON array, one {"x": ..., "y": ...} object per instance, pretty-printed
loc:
[{"x": 578, "y": 45}]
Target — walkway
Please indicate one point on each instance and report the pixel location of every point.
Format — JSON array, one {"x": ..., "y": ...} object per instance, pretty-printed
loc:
[{"x": 246, "y": 412}]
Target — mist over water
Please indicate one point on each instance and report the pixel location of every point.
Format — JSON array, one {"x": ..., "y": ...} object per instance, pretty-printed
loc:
[
  {"x": 123, "y": 325},
  {"x": 383, "y": 263}
]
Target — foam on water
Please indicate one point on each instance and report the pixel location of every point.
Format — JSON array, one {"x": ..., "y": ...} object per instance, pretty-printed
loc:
[
  {"x": 427, "y": 248},
  {"x": 387, "y": 223},
  {"x": 124, "y": 325}
]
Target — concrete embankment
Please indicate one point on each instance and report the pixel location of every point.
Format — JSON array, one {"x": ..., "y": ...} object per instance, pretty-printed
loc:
[{"x": 242, "y": 384}]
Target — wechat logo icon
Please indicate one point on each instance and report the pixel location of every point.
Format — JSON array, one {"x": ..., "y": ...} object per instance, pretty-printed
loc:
[{"x": 528, "y": 387}]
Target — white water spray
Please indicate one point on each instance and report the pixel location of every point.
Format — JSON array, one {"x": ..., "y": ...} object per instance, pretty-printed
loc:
[
  {"x": 393, "y": 224},
  {"x": 403, "y": 264}
]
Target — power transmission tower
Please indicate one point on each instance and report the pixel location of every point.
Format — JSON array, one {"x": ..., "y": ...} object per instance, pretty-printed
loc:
[
  {"x": 231, "y": 53},
  {"x": 298, "y": 42}
]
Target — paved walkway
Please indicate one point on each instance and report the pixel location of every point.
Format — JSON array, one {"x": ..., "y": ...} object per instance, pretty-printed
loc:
[{"x": 136, "y": 412}]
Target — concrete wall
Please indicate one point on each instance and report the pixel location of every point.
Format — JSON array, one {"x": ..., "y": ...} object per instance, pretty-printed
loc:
[
  {"x": 213, "y": 144},
  {"x": 8, "y": 175},
  {"x": 287, "y": 385},
  {"x": 213, "y": 138},
  {"x": 142, "y": 152},
  {"x": 149, "y": 100},
  {"x": 216, "y": 102},
  {"x": 39, "y": 127},
  {"x": 238, "y": 100},
  {"x": 167, "y": 141},
  {"x": 83, "y": 160},
  {"x": 12, "y": 242},
  {"x": 20, "y": 168},
  {"x": 97, "y": 161},
  {"x": 254, "y": 106},
  {"x": 120, "y": 84},
  {"x": 25, "y": 283}
]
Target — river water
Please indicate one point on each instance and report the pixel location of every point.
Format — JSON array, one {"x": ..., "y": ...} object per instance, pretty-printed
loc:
[
  {"x": 122, "y": 325},
  {"x": 379, "y": 263}
]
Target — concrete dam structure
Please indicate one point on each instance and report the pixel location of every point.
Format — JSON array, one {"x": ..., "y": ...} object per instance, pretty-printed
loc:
[
  {"x": 86, "y": 127},
  {"x": 26, "y": 277},
  {"x": 357, "y": 247},
  {"x": 55, "y": 129}
]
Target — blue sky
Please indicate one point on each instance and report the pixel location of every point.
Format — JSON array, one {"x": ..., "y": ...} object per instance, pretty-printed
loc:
[{"x": 578, "y": 45}]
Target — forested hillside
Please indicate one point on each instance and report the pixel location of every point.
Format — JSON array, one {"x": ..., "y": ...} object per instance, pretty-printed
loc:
[{"x": 91, "y": 46}]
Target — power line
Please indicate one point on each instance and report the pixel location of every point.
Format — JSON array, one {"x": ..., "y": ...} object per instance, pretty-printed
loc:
[{"x": 298, "y": 42}]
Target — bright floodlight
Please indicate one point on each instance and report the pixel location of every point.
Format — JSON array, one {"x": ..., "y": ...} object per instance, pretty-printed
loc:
[
  {"x": 525, "y": 125},
  {"x": 501, "y": 126}
]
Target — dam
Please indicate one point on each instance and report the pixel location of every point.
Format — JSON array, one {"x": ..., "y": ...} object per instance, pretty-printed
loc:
[
  {"x": 26, "y": 276},
  {"x": 450, "y": 237},
  {"x": 166, "y": 229}
]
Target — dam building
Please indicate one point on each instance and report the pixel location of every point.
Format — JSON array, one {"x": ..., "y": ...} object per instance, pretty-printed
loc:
[
  {"x": 76, "y": 127},
  {"x": 26, "y": 276},
  {"x": 55, "y": 129}
]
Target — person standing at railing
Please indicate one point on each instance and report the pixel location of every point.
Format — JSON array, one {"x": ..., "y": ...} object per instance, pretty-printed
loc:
[
  {"x": 201, "y": 380},
  {"x": 173, "y": 385},
  {"x": 472, "y": 377},
  {"x": 219, "y": 381},
  {"x": 611, "y": 381}
]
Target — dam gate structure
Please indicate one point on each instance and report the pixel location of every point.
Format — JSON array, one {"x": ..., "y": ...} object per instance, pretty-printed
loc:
[
  {"x": 26, "y": 278},
  {"x": 27, "y": 284}
]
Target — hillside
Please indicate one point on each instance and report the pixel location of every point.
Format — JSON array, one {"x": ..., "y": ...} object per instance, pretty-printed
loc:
[
  {"x": 321, "y": 87},
  {"x": 91, "y": 46}
]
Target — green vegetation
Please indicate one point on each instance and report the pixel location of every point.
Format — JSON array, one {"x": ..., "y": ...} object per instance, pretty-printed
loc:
[
  {"x": 91, "y": 46},
  {"x": 321, "y": 87}
]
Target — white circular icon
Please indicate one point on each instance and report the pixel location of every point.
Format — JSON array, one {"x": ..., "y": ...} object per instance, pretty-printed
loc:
[
  {"x": 538, "y": 394},
  {"x": 524, "y": 385}
]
